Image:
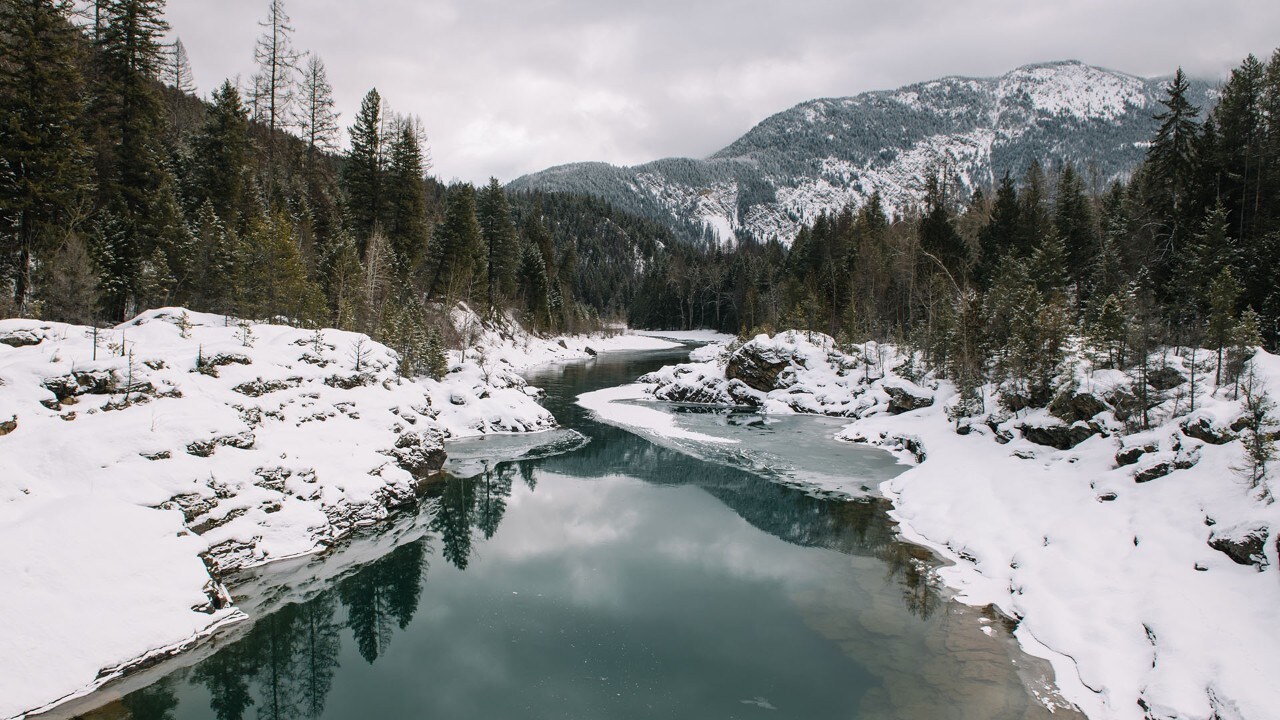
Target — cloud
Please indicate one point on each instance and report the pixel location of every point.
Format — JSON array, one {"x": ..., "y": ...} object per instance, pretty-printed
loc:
[{"x": 506, "y": 88}]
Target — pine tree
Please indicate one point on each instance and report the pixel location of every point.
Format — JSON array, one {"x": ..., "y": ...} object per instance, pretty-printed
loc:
[
  {"x": 938, "y": 236},
  {"x": 455, "y": 245},
  {"x": 1000, "y": 236},
  {"x": 1171, "y": 176},
  {"x": 135, "y": 186},
  {"x": 222, "y": 152},
  {"x": 502, "y": 244},
  {"x": 1224, "y": 294},
  {"x": 406, "y": 223},
  {"x": 43, "y": 159},
  {"x": 1033, "y": 209},
  {"x": 1073, "y": 222},
  {"x": 362, "y": 173}
]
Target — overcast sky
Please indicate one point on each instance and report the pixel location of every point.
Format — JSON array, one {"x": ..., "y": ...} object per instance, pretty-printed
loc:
[{"x": 506, "y": 88}]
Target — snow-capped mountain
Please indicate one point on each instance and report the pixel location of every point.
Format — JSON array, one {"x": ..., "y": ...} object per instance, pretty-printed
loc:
[{"x": 824, "y": 154}]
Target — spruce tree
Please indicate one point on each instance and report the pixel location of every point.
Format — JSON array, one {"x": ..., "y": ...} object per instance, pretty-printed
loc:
[
  {"x": 1073, "y": 221},
  {"x": 1171, "y": 177},
  {"x": 1224, "y": 294},
  {"x": 1000, "y": 236},
  {"x": 502, "y": 244},
  {"x": 222, "y": 153},
  {"x": 362, "y": 173},
  {"x": 406, "y": 222},
  {"x": 43, "y": 159},
  {"x": 455, "y": 246}
]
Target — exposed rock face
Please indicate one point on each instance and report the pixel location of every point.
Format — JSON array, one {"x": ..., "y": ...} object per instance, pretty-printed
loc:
[
  {"x": 1062, "y": 437},
  {"x": 757, "y": 368},
  {"x": 1202, "y": 428},
  {"x": 420, "y": 452},
  {"x": 1130, "y": 455},
  {"x": 1244, "y": 544},
  {"x": 1077, "y": 407},
  {"x": 260, "y": 387},
  {"x": 347, "y": 382},
  {"x": 8, "y": 426},
  {"x": 905, "y": 397},
  {"x": 1165, "y": 378},
  {"x": 20, "y": 338}
]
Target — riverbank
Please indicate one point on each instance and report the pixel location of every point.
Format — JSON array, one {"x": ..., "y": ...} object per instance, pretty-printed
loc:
[
  {"x": 143, "y": 463},
  {"x": 1141, "y": 565}
]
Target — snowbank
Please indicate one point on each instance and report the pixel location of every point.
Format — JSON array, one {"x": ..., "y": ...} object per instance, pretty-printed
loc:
[
  {"x": 140, "y": 465},
  {"x": 1140, "y": 564}
]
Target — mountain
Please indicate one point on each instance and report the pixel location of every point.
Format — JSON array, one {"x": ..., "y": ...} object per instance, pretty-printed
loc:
[{"x": 824, "y": 154}]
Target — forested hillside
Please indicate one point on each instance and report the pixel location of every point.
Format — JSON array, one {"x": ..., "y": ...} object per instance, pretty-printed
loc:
[{"x": 120, "y": 190}]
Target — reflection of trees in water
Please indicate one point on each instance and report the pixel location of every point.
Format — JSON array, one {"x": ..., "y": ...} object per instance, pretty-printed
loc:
[
  {"x": 383, "y": 594},
  {"x": 156, "y": 702},
  {"x": 285, "y": 665},
  {"x": 473, "y": 504}
]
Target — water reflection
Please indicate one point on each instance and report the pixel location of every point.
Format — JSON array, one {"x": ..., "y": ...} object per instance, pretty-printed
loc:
[{"x": 640, "y": 569}]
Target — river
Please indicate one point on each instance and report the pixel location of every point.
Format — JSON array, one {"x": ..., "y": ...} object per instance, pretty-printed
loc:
[{"x": 602, "y": 575}]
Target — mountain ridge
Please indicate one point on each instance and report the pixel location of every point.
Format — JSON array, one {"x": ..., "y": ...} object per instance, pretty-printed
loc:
[{"x": 822, "y": 154}]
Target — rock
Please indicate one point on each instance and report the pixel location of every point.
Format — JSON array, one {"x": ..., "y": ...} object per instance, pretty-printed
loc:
[
  {"x": 420, "y": 452},
  {"x": 8, "y": 426},
  {"x": 1076, "y": 407},
  {"x": 1107, "y": 497},
  {"x": 1062, "y": 437},
  {"x": 349, "y": 382},
  {"x": 260, "y": 387},
  {"x": 756, "y": 368},
  {"x": 913, "y": 445},
  {"x": 591, "y": 351},
  {"x": 1165, "y": 378},
  {"x": 97, "y": 382},
  {"x": 20, "y": 338},
  {"x": 1244, "y": 544},
  {"x": 272, "y": 478},
  {"x": 1202, "y": 428},
  {"x": 1157, "y": 470},
  {"x": 162, "y": 455},
  {"x": 1130, "y": 455},
  {"x": 222, "y": 359},
  {"x": 241, "y": 441},
  {"x": 192, "y": 505},
  {"x": 691, "y": 393},
  {"x": 905, "y": 397},
  {"x": 200, "y": 448},
  {"x": 62, "y": 387}
]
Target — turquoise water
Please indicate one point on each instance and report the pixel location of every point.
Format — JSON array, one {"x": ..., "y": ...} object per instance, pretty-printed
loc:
[{"x": 605, "y": 576}]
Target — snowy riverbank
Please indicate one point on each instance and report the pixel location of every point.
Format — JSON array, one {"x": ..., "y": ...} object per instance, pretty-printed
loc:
[
  {"x": 1141, "y": 565},
  {"x": 192, "y": 447}
]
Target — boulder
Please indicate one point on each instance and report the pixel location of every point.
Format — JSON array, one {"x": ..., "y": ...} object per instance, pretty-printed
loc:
[
  {"x": 1202, "y": 428},
  {"x": 1076, "y": 407},
  {"x": 1244, "y": 544},
  {"x": 1062, "y": 437},
  {"x": 260, "y": 387},
  {"x": 8, "y": 426},
  {"x": 350, "y": 382},
  {"x": 420, "y": 452},
  {"x": 1131, "y": 454},
  {"x": 905, "y": 397},
  {"x": 757, "y": 369},
  {"x": 20, "y": 338},
  {"x": 1165, "y": 378}
]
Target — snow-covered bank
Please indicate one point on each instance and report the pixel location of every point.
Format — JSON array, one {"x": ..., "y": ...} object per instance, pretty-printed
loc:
[
  {"x": 141, "y": 464},
  {"x": 1141, "y": 565}
]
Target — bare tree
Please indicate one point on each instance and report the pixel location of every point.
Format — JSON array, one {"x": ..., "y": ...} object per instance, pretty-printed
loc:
[
  {"x": 277, "y": 66},
  {"x": 317, "y": 120},
  {"x": 177, "y": 69}
]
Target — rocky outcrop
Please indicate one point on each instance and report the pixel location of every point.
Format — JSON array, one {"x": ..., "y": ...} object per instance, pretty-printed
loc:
[
  {"x": 1202, "y": 428},
  {"x": 905, "y": 397},
  {"x": 1165, "y": 378},
  {"x": 1077, "y": 407},
  {"x": 8, "y": 426},
  {"x": 419, "y": 452},
  {"x": 758, "y": 369},
  {"x": 1061, "y": 437},
  {"x": 1244, "y": 544},
  {"x": 259, "y": 387},
  {"x": 1131, "y": 454},
  {"x": 20, "y": 338}
]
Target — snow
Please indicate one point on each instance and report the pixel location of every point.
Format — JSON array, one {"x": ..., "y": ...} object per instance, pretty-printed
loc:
[
  {"x": 284, "y": 443},
  {"x": 617, "y": 406},
  {"x": 695, "y": 336},
  {"x": 1112, "y": 579}
]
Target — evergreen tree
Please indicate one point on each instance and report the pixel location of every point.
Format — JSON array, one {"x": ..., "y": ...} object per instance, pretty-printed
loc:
[
  {"x": 1000, "y": 236},
  {"x": 406, "y": 205},
  {"x": 222, "y": 151},
  {"x": 1171, "y": 176},
  {"x": 362, "y": 173},
  {"x": 938, "y": 237},
  {"x": 502, "y": 244},
  {"x": 455, "y": 246},
  {"x": 1073, "y": 222},
  {"x": 43, "y": 159},
  {"x": 1224, "y": 294}
]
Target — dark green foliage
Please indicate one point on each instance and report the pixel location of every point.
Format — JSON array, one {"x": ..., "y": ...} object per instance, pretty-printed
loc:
[
  {"x": 406, "y": 202},
  {"x": 43, "y": 159},
  {"x": 502, "y": 243},
  {"x": 362, "y": 172},
  {"x": 455, "y": 263}
]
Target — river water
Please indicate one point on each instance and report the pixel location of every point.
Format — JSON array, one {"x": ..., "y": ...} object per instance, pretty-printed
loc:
[{"x": 602, "y": 575}]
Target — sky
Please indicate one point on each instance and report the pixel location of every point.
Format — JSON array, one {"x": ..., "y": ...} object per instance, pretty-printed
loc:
[{"x": 508, "y": 88}]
